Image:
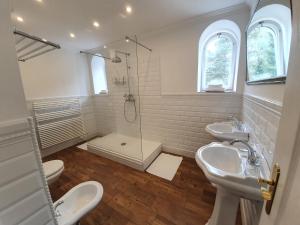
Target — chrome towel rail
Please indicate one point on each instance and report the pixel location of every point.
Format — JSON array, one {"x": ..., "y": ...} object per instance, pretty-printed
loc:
[{"x": 29, "y": 47}]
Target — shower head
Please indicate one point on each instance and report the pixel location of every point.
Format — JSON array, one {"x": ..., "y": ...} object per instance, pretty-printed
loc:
[{"x": 116, "y": 59}]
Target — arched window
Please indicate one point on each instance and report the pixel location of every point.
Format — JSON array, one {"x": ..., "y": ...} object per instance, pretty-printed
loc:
[
  {"x": 218, "y": 65},
  {"x": 218, "y": 56},
  {"x": 99, "y": 75},
  {"x": 265, "y": 54}
]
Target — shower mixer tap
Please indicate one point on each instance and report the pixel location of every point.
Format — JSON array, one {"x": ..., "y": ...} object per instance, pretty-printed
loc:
[
  {"x": 120, "y": 81},
  {"x": 129, "y": 98}
]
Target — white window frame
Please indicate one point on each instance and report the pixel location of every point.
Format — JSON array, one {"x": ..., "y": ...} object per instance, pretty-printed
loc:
[
  {"x": 104, "y": 92},
  {"x": 234, "y": 60},
  {"x": 278, "y": 42}
]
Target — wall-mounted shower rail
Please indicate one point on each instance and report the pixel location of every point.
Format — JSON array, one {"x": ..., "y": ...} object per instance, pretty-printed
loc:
[
  {"x": 138, "y": 43},
  {"x": 92, "y": 54},
  {"x": 29, "y": 47}
]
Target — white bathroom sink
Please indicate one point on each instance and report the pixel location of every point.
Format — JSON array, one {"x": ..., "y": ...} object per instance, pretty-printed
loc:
[
  {"x": 77, "y": 202},
  {"x": 224, "y": 166},
  {"x": 221, "y": 160},
  {"x": 226, "y": 131}
]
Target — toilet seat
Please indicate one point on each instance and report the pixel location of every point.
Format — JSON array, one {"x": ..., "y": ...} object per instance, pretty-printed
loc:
[{"x": 53, "y": 169}]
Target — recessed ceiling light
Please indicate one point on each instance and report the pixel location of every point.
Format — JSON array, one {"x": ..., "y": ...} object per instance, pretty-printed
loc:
[
  {"x": 128, "y": 9},
  {"x": 45, "y": 40},
  {"x": 39, "y": 1},
  {"x": 96, "y": 24},
  {"x": 20, "y": 19},
  {"x": 72, "y": 35},
  {"x": 104, "y": 46},
  {"x": 127, "y": 40}
]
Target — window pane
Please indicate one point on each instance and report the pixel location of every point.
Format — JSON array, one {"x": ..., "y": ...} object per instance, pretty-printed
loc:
[
  {"x": 99, "y": 75},
  {"x": 218, "y": 62},
  {"x": 261, "y": 53}
]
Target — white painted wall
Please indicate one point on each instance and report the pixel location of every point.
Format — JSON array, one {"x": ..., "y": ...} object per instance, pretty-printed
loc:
[
  {"x": 65, "y": 73},
  {"x": 178, "y": 49},
  {"x": 11, "y": 91},
  {"x": 60, "y": 73}
]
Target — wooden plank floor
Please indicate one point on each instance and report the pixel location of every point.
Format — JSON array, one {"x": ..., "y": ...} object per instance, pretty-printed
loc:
[{"x": 132, "y": 197}]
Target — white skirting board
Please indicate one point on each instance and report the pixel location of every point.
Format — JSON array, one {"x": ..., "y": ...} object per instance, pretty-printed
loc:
[
  {"x": 177, "y": 151},
  {"x": 165, "y": 166}
]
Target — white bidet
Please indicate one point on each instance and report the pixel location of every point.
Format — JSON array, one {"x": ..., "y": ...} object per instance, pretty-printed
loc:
[{"x": 77, "y": 202}]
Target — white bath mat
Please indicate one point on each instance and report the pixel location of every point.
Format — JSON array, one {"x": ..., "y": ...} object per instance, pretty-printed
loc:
[
  {"x": 165, "y": 166},
  {"x": 82, "y": 146}
]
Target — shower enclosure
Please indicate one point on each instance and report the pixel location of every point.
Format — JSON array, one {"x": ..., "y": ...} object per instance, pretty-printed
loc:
[{"x": 118, "y": 112}]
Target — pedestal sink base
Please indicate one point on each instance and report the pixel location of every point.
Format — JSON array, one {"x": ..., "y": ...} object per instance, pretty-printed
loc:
[
  {"x": 224, "y": 166},
  {"x": 225, "y": 209}
]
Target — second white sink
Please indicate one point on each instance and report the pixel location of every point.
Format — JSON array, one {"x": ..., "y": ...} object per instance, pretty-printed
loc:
[{"x": 226, "y": 131}]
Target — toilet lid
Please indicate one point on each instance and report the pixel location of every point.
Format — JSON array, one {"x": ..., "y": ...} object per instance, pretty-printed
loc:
[{"x": 52, "y": 167}]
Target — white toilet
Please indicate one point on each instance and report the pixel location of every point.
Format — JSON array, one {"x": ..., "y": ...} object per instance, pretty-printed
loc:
[{"x": 53, "y": 170}]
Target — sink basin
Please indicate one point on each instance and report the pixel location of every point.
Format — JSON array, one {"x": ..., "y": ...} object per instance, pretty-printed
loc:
[
  {"x": 221, "y": 160},
  {"x": 224, "y": 166},
  {"x": 226, "y": 131}
]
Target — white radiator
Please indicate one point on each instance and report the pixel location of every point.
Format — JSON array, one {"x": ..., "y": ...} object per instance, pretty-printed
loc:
[{"x": 57, "y": 120}]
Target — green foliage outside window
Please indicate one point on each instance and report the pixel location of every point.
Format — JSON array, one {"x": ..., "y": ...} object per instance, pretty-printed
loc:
[
  {"x": 261, "y": 53},
  {"x": 218, "y": 61}
]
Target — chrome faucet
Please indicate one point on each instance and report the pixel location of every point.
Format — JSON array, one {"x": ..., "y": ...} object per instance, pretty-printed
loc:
[
  {"x": 57, "y": 212},
  {"x": 236, "y": 122},
  {"x": 252, "y": 155}
]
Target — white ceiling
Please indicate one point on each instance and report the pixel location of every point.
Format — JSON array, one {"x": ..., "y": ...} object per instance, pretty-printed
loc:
[{"x": 55, "y": 19}]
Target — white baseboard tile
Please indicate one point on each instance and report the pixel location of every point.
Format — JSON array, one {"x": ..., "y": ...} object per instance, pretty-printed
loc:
[{"x": 178, "y": 151}]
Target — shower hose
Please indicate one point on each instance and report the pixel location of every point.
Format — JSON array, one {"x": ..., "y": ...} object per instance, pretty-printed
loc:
[{"x": 125, "y": 116}]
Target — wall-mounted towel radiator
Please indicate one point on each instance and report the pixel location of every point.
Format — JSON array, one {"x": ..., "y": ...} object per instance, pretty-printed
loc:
[{"x": 57, "y": 120}]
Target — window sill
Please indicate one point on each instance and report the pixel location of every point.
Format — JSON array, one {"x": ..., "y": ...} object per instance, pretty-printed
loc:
[
  {"x": 101, "y": 94},
  {"x": 201, "y": 93},
  {"x": 217, "y": 92}
]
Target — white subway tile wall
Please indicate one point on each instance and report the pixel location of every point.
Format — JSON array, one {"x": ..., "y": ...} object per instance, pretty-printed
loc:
[
  {"x": 262, "y": 119},
  {"x": 88, "y": 116}
]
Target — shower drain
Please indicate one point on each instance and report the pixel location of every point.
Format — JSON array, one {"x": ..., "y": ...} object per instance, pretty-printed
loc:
[{"x": 123, "y": 144}]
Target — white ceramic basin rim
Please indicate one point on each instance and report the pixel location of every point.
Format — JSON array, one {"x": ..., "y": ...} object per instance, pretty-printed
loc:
[
  {"x": 223, "y": 161},
  {"x": 226, "y": 131},
  {"x": 78, "y": 202}
]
